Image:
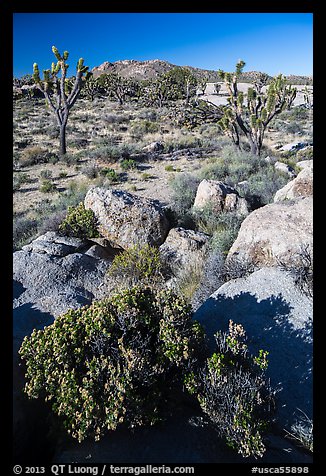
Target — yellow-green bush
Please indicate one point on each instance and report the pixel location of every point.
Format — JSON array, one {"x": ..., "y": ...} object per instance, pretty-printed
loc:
[
  {"x": 114, "y": 361},
  {"x": 79, "y": 222},
  {"x": 137, "y": 264}
]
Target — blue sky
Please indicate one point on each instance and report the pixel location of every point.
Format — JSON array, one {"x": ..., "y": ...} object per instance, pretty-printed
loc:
[{"x": 270, "y": 42}]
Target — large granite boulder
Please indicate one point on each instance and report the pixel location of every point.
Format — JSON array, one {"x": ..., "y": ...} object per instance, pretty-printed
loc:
[
  {"x": 125, "y": 219},
  {"x": 277, "y": 317},
  {"x": 301, "y": 186},
  {"x": 58, "y": 273},
  {"x": 275, "y": 232},
  {"x": 220, "y": 196},
  {"x": 182, "y": 245},
  {"x": 51, "y": 275}
]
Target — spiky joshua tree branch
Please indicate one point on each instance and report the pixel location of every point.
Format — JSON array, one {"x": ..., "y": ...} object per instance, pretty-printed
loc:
[{"x": 60, "y": 93}]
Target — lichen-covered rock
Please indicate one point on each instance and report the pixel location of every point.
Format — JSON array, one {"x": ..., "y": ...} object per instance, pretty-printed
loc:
[
  {"x": 275, "y": 232},
  {"x": 181, "y": 245},
  {"x": 301, "y": 186},
  {"x": 55, "y": 282},
  {"x": 53, "y": 244},
  {"x": 125, "y": 219},
  {"x": 220, "y": 196},
  {"x": 285, "y": 168}
]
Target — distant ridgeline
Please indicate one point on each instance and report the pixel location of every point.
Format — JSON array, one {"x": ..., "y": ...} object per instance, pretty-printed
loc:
[{"x": 153, "y": 68}]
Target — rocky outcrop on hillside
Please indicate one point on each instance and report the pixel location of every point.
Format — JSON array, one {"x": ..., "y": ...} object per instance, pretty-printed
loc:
[
  {"x": 277, "y": 317},
  {"x": 126, "y": 219},
  {"x": 150, "y": 69},
  {"x": 275, "y": 232}
]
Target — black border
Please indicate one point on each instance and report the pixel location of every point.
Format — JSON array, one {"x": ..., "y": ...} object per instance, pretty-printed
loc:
[{"x": 6, "y": 11}]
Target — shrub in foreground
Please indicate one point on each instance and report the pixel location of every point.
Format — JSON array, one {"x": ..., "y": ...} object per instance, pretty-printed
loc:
[
  {"x": 234, "y": 392},
  {"x": 138, "y": 264},
  {"x": 79, "y": 222},
  {"x": 113, "y": 362}
]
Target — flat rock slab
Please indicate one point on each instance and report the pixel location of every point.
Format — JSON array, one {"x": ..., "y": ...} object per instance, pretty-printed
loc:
[{"x": 277, "y": 317}]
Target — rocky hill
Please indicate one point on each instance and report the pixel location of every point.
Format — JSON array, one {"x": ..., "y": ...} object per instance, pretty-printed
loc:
[{"x": 153, "y": 68}]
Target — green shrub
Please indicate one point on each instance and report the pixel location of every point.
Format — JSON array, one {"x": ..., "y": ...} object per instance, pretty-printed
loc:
[
  {"x": 184, "y": 188},
  {"x": 24, "y": 230},
  {"x": 47, "y": 186},
  {"x": 46, "y": 174},
  {"x": 113, "y": 362},
  {"x": 138, "y": 264},
  {"x": 233, "y": 391},
  {"x": 79, "y": 222},
  {"x": 142, "y": 127},
  {"x": 19, "y": 179},
  {"x": 110, "y": 174},
  {"x": 128, "y": 164},
  {"x": 263, "y": 185},
  {"x": 222, "y": 226}
]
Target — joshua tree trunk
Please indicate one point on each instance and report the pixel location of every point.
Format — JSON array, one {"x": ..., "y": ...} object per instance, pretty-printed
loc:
[{"x": 63, "y": 147}]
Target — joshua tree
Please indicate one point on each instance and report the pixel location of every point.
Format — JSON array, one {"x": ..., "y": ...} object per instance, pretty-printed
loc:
[
  {"x": 91, "y": 87},
  {"x": 60, "y": 93},
  {"x": 250, "y": 114}
]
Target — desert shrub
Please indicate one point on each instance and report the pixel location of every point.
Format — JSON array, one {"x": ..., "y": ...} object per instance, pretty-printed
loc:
[
  {"x": 301, "y": 268},
  {"x": 137, "y": 264},
  {"x": 188, "y": 276},
  {"x": 114, "y": 362},
  {"x": 34, "y": 155},
  {"x": 19, "y": 179},
  {"x": 211, "y": 277},
  {"x": 24, "y": 229},
  {"x": 79, "y": 222},
  {"x": 232, "y": 166},
  {"x": 184, "y": 188},
  {"x": 46, "y": 174},
  {"x": 50, "y": 221},
  {"x": 115, "y": 118},
  {"x": 302, "y": 432},
  {"x": 47, "y": 186},
  {"x": 90, "y": 170},
  {"x": 79, "y": 142},
  {"x": 141, "y": 127},
  {"x": 71, "y": 159},
  {"x": 233, "y": 391},
  {"x": 222, "y": 226},
  {"x": 181, "y": 142},
  {"x": 305, "y": 154},
  {"x": 128, "y": 164},
  {"x": 110, "y": 174},
  {"x": 262, "y": 186},
  {"x": 296, "y": 113},
  {"x": 23, "y": 142},
  {"x": 235, "y": 267},
  {"x": 114, "y": 152}
]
